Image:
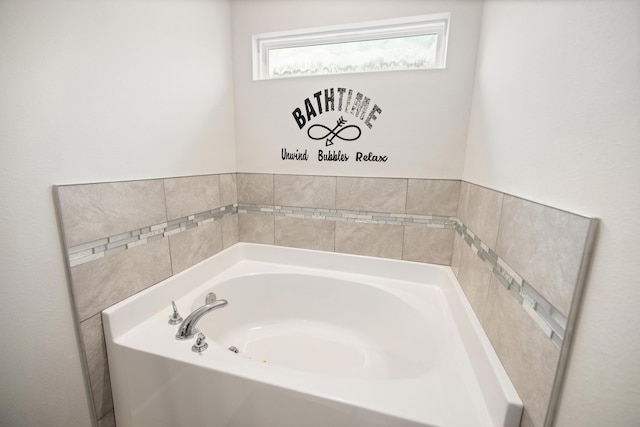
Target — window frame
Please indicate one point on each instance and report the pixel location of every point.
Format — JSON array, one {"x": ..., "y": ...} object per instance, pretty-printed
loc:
[{"x": 373, "y": 30}]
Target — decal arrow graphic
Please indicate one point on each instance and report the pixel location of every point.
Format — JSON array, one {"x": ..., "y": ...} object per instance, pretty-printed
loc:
[{"x": 335, "y": 132}]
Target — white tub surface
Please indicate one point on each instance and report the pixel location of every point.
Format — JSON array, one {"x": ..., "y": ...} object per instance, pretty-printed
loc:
[{"x": 323, "y": 339}]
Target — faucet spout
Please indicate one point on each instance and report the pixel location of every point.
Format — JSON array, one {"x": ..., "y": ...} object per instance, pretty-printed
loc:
[{"x": 188, "y": 327}]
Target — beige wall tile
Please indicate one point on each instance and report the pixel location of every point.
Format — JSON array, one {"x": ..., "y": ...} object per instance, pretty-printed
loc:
[
  {"x": 474, "y": 278},
  {"x": 305, "y": 191},
  {"x": 96, "y": 354},
  {"x": 255, "y": 188},
  {"x": 256, "y": 228},
  {"x": 383, "y": 241},
  {"x": 480, "y": 211},
  {"x": 194, "y": 245},
  {"x": 192, "y": 194},
  {"x": 98, "y": 284},
  {"x": 229, "y": 231},
  {"x": 545, "y": 246},
  {"x": 528, "y": 356},
  {"x": 456, "y": 253},
  {"x": 465, "y": 187},
  {"x": 526, "y": 419},
  {"x": 92, "y": 211},
  {"x": 433, "y": 197},
  {"x": 371, "y": 194},
  {"x": 432, "y": 245},
  {"x": 304, "y": 233},
  {"x": 228, "y": 189},
  {"x": 108, "y": 420}
]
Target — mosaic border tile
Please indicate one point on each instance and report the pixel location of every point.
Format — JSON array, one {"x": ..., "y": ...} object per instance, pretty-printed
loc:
[
  {"x": 365, "y": 217},
  {"x": 90, "y": 251},
  {"x": 549, "y": 319}
]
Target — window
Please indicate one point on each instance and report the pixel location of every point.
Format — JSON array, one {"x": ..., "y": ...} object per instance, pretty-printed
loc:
[{"x": 414, "y": 43}]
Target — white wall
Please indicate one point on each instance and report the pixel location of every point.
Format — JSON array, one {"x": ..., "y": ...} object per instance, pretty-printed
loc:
[
  {"x": 556, "y": 119},
  {"x": 91, "y": 91},
  {"x": 423, "y": 124}
]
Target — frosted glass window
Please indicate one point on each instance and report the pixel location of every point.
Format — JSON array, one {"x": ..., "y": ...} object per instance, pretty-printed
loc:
[
  {"x": 414, "y": 43},
  {"x": 401, "y": 53}
]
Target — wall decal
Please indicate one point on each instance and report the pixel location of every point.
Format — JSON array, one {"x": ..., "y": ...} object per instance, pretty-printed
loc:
[{"x": 344, "y": 130}]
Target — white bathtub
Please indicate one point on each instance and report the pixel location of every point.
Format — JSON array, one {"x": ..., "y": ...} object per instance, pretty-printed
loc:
[{"x": 323, "y": 339}]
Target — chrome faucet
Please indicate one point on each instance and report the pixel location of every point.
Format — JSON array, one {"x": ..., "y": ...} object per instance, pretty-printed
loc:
[{"x": 188, "y": 327}]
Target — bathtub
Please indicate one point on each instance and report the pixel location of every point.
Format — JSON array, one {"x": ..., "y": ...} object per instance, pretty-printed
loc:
[{"x": 316, "y": 339}]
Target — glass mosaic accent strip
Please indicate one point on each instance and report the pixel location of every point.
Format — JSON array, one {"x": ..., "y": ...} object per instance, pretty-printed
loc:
[
  {"x": 351, "y": 216},
  {"x": 104, "y": 247},
  {"x": 550, "y": 320}
]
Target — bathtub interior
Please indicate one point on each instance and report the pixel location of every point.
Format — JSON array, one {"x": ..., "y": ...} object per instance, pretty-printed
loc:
[{"x": 310, "y": 323}]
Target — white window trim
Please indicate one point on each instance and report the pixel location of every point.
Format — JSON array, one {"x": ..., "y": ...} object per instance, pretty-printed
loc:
[{"x": 400, "y": 27}]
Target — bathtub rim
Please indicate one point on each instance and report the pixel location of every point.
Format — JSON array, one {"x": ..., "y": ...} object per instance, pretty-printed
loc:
[{"x": 500, "y": 397}]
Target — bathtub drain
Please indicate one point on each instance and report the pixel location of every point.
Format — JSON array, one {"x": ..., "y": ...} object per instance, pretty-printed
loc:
[{"x": 233, "y": 349}]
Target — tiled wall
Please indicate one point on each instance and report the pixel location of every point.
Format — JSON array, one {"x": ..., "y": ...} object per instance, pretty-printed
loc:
[
  {"x": 522, "y": 266},
  {"x": 518, "y": 262},
  {"x": 123, "y": 237},
  {"x": 391, "y": 218}
]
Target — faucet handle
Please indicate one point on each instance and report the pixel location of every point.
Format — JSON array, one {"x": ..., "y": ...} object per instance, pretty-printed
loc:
[
  {"x": 200, "y": 345},
  {"x": 211, "y": 297},
  {"x": 175, "y": 317}
]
